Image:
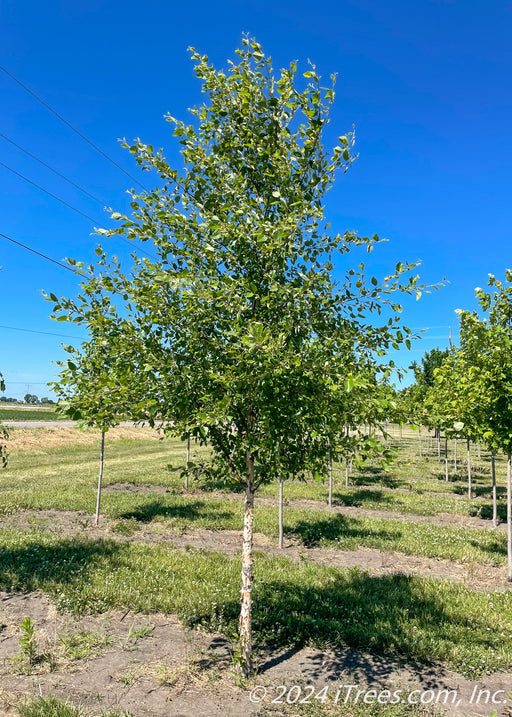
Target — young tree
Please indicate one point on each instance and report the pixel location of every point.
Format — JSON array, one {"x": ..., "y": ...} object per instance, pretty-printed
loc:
[
  {"x": 488, "y": 344},
  {"x": 97, "y": 392},
  {"x": 454, "y": 403},
  {"x": 238, "y": 334},
  {"x": 4, "y": 435}
]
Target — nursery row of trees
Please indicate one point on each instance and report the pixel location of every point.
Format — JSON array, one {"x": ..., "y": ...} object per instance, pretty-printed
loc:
[{"x": 467, "y": 391}]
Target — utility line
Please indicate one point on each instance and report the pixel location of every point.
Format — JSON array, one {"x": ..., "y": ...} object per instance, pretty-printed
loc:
[
  {"x": 28, "y": 383},
  {"x": 45, "y": 333},
  {"x": 54, "y": 196},
  {"x": 28, "y": 248},
  {"x": 68, "y": 124},
  {"x": 69, "y": 181},
  {"x": 70, "y": 206}
]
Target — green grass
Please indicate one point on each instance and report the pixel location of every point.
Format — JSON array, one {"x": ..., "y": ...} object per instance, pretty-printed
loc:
[
  {"x": 51, "y": 706},
  {"x": 54, "y": 707},
  {"x": 295, "y": 604},
  {"x": 29, "y": 414},
  {"x": 64, "y": 478}
]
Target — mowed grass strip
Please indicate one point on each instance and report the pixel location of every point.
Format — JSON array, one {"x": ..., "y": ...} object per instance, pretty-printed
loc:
[
  {"x": 311, "y": 528},
  {"x": 64, "y": 479},
  {"x": 295, "y": 604},
  {"x": 65, "y": 475}
]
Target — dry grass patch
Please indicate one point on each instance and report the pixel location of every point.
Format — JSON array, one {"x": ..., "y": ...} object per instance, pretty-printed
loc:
[{"x": 39, "y": 439}]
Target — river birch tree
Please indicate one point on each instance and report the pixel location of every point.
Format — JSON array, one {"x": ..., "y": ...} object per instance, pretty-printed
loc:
[{"x": 239, "y": 333}]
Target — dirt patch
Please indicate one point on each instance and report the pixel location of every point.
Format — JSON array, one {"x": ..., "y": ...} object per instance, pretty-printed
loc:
[
  {"x": 376, "y": 562},
  {"x": 155, "y": 667}
]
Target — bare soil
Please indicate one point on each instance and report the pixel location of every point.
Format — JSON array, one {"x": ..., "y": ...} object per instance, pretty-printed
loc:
[{"x": 174, "y": 671}]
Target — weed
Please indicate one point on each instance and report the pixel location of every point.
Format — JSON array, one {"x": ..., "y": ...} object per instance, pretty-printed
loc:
[
  {"x": 83, "y": 644},
  {"x": 125, "y": 527},
  {"x": 27, "y": 640},
  {"x": 54, "y": 707}
]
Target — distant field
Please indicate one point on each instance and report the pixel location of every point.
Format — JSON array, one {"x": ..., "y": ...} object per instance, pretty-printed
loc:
[{"x": 29, "y": 413}]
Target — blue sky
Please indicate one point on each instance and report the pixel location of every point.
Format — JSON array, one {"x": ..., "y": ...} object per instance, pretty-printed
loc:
[{"x": 427, "y": 85}]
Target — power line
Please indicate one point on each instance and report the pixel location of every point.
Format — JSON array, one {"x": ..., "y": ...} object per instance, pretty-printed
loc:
[
  {"x": 68, "y": 124},
  {"x": 70, "y": 206},
  {"x": 69, "y": 181},
  {"x": 54, "y": 196},
  {"x": 45, "y": 333},
  {"x": 28, "y": 248},
  {"x": 29, "y": 383}
]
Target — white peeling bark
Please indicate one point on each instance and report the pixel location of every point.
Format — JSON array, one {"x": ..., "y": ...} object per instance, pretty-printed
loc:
[
  {"x": 281, "y": 492},
  {"x": 469, "y": 469},
  {"x": 100, "y": 477},
  {"x": 245, "y": 622},
  {"x": 329, "y": 501},
  {"x": 509, "y": 518},
  {"x": 494, "y": 495}
]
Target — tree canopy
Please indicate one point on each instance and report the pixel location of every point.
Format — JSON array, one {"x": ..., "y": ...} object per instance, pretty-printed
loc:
[{"x": 238, "y": 333}]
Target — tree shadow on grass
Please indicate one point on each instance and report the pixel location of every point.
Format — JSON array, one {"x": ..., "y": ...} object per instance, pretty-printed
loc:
[
  {"x": 494, "y": 548},
  {"x": 208, "y": 485},
  {"x": 336, "y": 528},
  {"x": 480, "y": 491},
  {"x": 191, "y": 511},
  {"x": 363, "y": 497},
  {"x": 44, "y": 567},
  {"x": 485, "y": 512},
  {"x": 397, "y": 616},
  {"x": 373, "y": 475}
]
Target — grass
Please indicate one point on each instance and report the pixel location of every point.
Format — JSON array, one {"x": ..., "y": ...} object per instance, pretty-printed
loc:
[
  {"x": 63, "y": 478},
  {"x": 51, "y": 706},
  {"x": 26, "y": 413},
  {"x": 311, "y": 528},
  {"x": 54, "y": 707},
  {"x": 83, "y": 644},
  {"x": 418, "y": 619},
  {"x": 62, "y": 470},
  {"x": 295, "y": 604}
]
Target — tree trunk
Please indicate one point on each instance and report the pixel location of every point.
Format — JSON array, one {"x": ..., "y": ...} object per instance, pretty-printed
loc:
[
  {"x": 100, "y": 477},
  {"x": 494, "y": 496},
  {"x": 244, "y": 623},
  {"x": 438, "y": 432},
  {"x": 455, "y": 456},
  {"x": 188, "y": 461},
  {"x": 419, "y": 438},
  {"x": 509, "y": 518},
  {"x": 469, "y": 468},
  {"x": 446, "y": 459},
  {"x": 478, "y": 448},
  {"x": 329, "y": 501},
  {"x": 281, "y": 486},
  {"x": 346, "y": 471}
]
